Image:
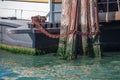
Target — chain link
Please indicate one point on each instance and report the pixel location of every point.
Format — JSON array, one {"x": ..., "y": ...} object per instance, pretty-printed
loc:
[{"x": 44, "y": 31}]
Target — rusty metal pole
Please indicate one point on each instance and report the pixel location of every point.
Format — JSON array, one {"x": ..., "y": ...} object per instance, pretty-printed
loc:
[{"x": 84, "y": 26}]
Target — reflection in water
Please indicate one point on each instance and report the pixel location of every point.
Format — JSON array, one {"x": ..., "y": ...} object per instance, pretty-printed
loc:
[{"x": 24, "y": 67}]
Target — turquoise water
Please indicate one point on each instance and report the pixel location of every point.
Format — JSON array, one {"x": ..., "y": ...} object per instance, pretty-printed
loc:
[{"x": 49, "y": 67}]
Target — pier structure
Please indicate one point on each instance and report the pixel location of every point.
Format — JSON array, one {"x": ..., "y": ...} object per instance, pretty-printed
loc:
[
  {"x": 109, "y": 10},
  {"x": 79, "y": 32}
]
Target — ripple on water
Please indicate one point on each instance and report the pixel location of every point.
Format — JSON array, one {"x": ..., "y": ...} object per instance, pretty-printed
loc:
[
  {"x": 22, "y": 67},
  {"x": 29, "y": 78},
  {"x": 4, "y": 71}
]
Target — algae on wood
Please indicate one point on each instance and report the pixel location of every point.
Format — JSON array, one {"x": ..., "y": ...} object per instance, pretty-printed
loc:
[
  {"x": 94, "y": 43},
  {"x": 71, "y": 46},
  {"x": 66, "y": 8},
  {"x": 89, "y": 24},
  {"x": 69, "y": 22}
]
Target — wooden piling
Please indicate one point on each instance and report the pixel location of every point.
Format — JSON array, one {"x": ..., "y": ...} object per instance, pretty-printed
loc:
[
  {"x": 97, "y": 48},
  {"x": 89, "y": 25},
  {"x": 71, "y": 46},
  {"x": 93, "y": 41},
  {"x": 69, "y": 22},
  {"x": 65, "y": 23},
  {"x": 84, "y": 26}
]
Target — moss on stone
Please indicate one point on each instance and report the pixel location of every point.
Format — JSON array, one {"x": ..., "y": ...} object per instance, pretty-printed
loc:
[{"x": 17, "y": 49}]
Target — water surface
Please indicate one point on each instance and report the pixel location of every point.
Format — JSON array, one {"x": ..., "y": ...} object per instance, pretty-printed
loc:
[{"x": 49, "y": 67}]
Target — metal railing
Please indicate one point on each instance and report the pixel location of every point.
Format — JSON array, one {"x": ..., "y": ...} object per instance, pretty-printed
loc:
[
  {"x": 109, "y": 5},
  {"x": 23, "y": 10}
]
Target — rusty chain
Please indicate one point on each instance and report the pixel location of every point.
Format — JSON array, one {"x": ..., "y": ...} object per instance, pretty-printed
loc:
[
  {"x": 41, "y": 29},
  {"x": 44, "y": 31}
]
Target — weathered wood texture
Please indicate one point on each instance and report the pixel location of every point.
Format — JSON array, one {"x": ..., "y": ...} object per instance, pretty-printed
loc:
[
  {"x": 65, "y": 23},
  {"x": 71, "y": 48},
  {"x": 87, "y": 9},
  {"x": 97, "y": 47},
  {"x": 84, "y": 26},
  {"x": 93, "y": 41},
  {"x": 69, "y": 21}
]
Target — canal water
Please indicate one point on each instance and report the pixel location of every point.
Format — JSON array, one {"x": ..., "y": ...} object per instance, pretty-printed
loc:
[{"x": 49, "y": 67}]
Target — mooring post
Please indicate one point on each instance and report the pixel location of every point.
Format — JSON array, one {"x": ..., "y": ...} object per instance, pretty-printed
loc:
[
  {"x": 69, "y": 23},
  {"x": 84, "y": 26},
  {"x": 94, "y": 43},
  {"x": 98, "y": 52},
  {"x": 89, "y": 24},
  {"x": 71, "y": 45},
  {"x": 65, "y": 23}
]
